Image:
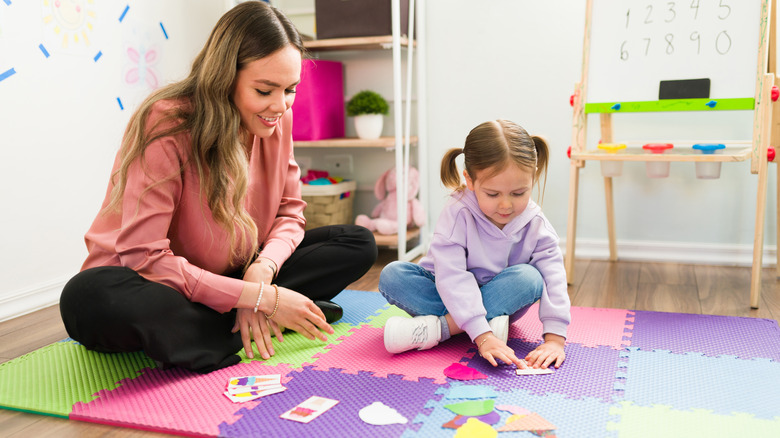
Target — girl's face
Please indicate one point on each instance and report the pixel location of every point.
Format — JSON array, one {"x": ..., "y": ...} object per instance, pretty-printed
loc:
[
  {"x": 265, "y": 89},
  {"x": 502, "y": 197}
]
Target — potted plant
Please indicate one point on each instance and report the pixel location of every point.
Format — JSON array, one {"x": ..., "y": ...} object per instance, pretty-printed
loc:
[{"x": 368, "y": 108}]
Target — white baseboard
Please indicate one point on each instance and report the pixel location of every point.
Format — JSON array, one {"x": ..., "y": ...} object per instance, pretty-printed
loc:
[
  {"x": 677, "y": 252},
  {"x": 31, "y": 299}
]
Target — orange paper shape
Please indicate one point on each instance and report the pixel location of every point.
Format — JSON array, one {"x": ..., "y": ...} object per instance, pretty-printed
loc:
[{"x": 533, "y": 421}]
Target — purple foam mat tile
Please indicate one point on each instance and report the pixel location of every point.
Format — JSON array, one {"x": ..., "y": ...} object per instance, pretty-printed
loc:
[
  {"x": 353, "y": 391},
  {"x": 586, "y": 372},
  {"x": 711, "y": 335}
]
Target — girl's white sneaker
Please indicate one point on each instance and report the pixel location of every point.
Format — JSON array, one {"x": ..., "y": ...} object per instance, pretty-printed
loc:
[{"x": 420, "y": 332}]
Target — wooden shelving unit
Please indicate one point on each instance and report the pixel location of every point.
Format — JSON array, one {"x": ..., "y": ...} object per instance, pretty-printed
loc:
[
  {"x": 357, "y": 43},
  {"x": 411, "y": 42},
  {"x": 353, "y": 142}
]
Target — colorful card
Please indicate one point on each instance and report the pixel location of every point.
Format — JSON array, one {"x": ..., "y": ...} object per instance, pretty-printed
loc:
[
  {"x": 310, "y": 409},
  {"x": 248, "y": 388},
  {"x": 252, "y": 395}
]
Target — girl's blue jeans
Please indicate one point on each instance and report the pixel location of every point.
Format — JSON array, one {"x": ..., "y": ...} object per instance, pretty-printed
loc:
[{"x": 413, "y": 289}]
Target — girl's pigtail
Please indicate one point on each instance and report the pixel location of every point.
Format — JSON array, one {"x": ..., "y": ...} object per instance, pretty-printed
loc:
[
  {"x": 542, "y": 158},
  {"x": 449, "y": 169}
]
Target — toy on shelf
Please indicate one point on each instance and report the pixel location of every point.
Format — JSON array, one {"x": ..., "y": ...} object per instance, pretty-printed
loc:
[{"x": 384, "y": 217}]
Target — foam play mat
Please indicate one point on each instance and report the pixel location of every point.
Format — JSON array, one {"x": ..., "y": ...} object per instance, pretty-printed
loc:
[{"x": 627, "y": 374}]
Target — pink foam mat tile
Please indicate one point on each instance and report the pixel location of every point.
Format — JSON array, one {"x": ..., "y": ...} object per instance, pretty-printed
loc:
[
  {"x": 174, "y": 400},
  {"x": 364, "y": 350},
  {"x": 590, "y": 327}
]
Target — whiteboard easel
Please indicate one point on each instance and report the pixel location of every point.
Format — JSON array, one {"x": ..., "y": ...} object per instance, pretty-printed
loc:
[{"x": 631, "y": 46}]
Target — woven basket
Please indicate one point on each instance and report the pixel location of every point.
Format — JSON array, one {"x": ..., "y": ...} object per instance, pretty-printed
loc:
[{"x": 328, "y": 204}]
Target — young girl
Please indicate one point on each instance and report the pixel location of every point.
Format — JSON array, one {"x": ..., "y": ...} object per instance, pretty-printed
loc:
[{"x": 493, "y": 255}]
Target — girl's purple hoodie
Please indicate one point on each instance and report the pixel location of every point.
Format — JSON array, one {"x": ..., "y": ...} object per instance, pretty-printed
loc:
[{"x": 468, "y": 250}]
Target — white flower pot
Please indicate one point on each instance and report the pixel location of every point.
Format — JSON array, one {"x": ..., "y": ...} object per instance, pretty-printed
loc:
[{"x": 369, "y": 126}]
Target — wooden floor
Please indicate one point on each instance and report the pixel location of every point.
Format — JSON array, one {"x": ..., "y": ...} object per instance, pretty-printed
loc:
[{"x": 665, "y": 287}]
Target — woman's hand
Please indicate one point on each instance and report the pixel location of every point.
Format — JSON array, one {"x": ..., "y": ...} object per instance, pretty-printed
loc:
[
  {"x": 550, "y": 351},
  {"x": 299, "y": 313},
  {"x": 492, "y": 348},
  {"x": 256, "y": 326}
]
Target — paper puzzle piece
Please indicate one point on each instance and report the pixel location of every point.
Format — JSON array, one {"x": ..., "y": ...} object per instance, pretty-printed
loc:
[
  {"x": 534, "y": 371},
  {"x": 475, "y": 429},
  {"x": 379, "y": 414},
  {"x": 459, "y": 371},
  {"x": 473, "y": 408},
  {"x": 491, "y": 417},
  {"x": 516, "y": 410},
  {"x": 532, "y": 421},
  {"x": 471, "y": 392}
]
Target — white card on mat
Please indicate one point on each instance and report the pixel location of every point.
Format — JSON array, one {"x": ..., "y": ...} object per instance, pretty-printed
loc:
[
  {"x": 310, "y": 409},
  {"x": 534, "y": 371}
]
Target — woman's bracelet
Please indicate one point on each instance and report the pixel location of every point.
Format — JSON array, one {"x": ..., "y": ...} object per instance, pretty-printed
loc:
[
  {"x": 270, "y": 266},
  {"x": 276, "y": 306},
  {"x": 260, "y": 295}
]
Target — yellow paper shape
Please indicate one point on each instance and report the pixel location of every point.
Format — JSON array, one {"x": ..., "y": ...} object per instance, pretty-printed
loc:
[
  {"x": 533, "y": 421},
  {"x": 476, "y": 429}
]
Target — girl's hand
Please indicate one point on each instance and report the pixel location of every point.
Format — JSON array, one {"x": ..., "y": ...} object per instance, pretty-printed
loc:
[
  {"x": 492, "y": 348},
  {"x": 299, "y": 313},
  {"x": 255, "y": 325},
  {"x": 550, "y": 351}
]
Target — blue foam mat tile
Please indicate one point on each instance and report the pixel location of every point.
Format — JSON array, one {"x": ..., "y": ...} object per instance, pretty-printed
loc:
[
  {"x": 724, "y": 384},
  {"x": 360, "y": 306},
  {"x": 584, "y": 417}
]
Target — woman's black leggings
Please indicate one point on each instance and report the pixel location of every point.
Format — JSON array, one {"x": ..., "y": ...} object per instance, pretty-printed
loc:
[{"x": 114, "y": 309}]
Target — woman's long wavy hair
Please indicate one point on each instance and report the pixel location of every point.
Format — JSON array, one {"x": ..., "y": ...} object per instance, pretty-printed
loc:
[{"x": 249, "y": 31}]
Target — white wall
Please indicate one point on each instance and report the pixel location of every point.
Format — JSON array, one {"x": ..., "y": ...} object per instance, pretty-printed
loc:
[
  {"x": 60, "y": 127},
  {"x": 60, "y": 124}
]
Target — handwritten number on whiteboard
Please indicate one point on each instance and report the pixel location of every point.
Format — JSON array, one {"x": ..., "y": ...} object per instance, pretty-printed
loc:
[
  {"x": 669, "y": 47},
  {"x": 671, "y": 13},
  {"x": 628, "y": 15},
  {"x": 697, "y": 38},
  {"x": 724, "y": 9},
  {"x": 723, "y": 43},
  {"x": 695, "y": 7},
  {"x": 649, "y": 20},
  {"x": 647, "y": 46},
  {"x": 623, "y": 52}
]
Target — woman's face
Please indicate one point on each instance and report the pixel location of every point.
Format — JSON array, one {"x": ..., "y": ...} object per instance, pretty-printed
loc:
[{"x": 265, "y": 89}]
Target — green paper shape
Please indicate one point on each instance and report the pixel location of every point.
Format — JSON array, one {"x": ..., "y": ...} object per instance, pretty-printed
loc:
[
  {"x": 52, "y": 379},
  {"x": 472, "y": 408}
]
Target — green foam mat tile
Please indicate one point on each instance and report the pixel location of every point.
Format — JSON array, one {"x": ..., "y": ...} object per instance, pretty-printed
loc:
[
  {"x": 296, "y": 349},
  {"x": 52, "y": 379}
]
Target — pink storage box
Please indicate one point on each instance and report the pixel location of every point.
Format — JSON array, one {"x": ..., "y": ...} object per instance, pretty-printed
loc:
[{"x": 318, "y": 111}]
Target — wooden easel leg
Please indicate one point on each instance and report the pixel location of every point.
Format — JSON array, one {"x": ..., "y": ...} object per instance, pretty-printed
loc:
[
  {"x": 758, "y": 240},
  {"x": 610, "y": 218},
  {"x": 571, "y": 228}
]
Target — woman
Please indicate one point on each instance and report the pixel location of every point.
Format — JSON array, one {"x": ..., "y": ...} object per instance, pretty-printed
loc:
[{"x": 199, "y": 247}]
